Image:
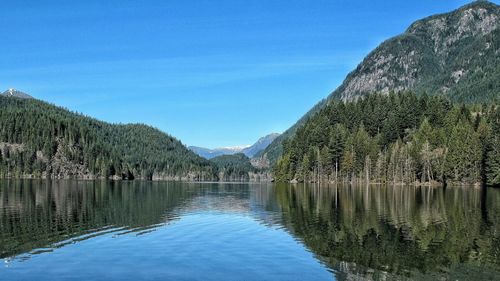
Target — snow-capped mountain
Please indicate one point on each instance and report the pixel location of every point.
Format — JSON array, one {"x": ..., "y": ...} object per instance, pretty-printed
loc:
[
  {"x": 248, "y": 150},
  {"x": 17, "y": 94}
]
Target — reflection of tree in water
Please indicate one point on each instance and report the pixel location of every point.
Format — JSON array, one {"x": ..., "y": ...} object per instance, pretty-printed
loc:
[
  {"x": 375, "y": 233},
  {"x": 39, "y": 214},
  {"x": 255, "y": 200},
  {"x": 35, "y": 214},
  {"x": 384, "y": 233},
  {"x": 229, "y": 198}
]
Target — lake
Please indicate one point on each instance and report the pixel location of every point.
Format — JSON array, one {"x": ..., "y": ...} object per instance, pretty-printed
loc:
[{"x": 84, "y": 230}]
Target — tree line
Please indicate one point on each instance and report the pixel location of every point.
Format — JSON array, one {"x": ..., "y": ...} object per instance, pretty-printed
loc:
[{"x": 397, "y": 138}]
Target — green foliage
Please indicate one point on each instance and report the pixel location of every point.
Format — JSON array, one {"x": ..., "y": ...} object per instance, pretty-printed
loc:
[
  {"x": 493, "y": 163},
  {"x": 275, "y": 150},
  {"x": 414, "y": 138},
  {"x": 234, "y": 167},
  {"x": 423, "y": 60},
  {"x": 464, "y": 153},
  {"x": 492, "y": 151},
  {"x": 41, "y": 139}
]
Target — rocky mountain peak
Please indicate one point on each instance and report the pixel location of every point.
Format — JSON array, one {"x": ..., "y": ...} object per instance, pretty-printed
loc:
[
  {"x": 17, "y": 94},
  {"x": 439, "y": 54},
  {"x": 477, "y": 18},
  {"x": 249, "y": 151},
  {"x": 456, "y": 54}
]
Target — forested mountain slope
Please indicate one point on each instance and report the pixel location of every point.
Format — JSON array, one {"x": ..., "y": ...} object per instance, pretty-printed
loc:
[
  {"x": 237, "y": 167},
  {"x": 456, "y": 55},
  {"x": 41, "y": 140},
  {"x": 399, "y": 138}
]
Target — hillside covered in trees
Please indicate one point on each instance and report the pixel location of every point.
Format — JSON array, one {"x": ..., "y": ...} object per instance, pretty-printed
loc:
[
  {"x": 397, "y": 138},
  {"x": 44, "y": 141},
  {"x": 455, "y": 54},
  {"x": 238, "y": 167}
]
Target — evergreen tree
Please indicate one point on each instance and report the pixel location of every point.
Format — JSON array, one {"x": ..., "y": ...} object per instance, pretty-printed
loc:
[
  {"x": 493, "y": 162},
  {"x": 463, "y": 161},
  {"x": 44, "y": 140},
  {"x": 426, "y": 139}
]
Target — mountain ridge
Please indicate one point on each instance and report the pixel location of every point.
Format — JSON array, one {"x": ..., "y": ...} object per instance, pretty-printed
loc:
[
  {"x": 249, "y": 151},
  {"x": 15, "y": 93},
  {"x": 437, "y": 55}
]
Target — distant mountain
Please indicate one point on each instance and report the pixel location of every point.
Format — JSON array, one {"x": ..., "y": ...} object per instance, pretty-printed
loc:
[
  {"x": 260, "y": 145},
  {"x": 212, "y": 153},
  {"x": 269, "y": 156},
  {"x": 17, "y": 94},
  {"x": 456, "y": 55},
  {"x": 248, "y": 151}
]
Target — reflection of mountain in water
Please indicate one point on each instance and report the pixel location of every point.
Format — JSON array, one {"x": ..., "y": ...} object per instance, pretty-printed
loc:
[
  {"x": 253, "y": 200},
  {"x": 380, "y": 233},
  {"x": 34, "y": 215},
  {"x": 375, "y": 233},
  {"x": 37, "y": 214}
]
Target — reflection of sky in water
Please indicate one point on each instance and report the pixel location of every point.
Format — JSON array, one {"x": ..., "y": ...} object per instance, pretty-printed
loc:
[
  {"x": 208, "y": 233},
  {"x": 243, "y": 201},
  {"x": 129, "y": 231},
  {"x": 199, "y": 246}
]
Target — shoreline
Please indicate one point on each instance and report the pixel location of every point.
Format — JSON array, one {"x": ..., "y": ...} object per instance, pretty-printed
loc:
[{"x": 326, "y": 183}]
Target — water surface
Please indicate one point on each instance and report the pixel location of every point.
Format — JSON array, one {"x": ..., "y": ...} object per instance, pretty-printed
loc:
[{"x": 70, "y": 230}]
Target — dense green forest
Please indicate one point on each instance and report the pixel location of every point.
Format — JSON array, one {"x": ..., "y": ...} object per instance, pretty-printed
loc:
[
  {"x": 41, "y": 140},
  {"x": 235, "y": 167},
  {"x": 454, "y": 54},
  {"x": 398, "y": 138}
]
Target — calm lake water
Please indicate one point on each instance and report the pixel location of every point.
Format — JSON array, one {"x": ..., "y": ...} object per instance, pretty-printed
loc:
[{"x": 68, "y": 230}]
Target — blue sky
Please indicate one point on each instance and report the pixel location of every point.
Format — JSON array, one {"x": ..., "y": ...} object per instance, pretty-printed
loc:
[{"x": 211, "y": 73}]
